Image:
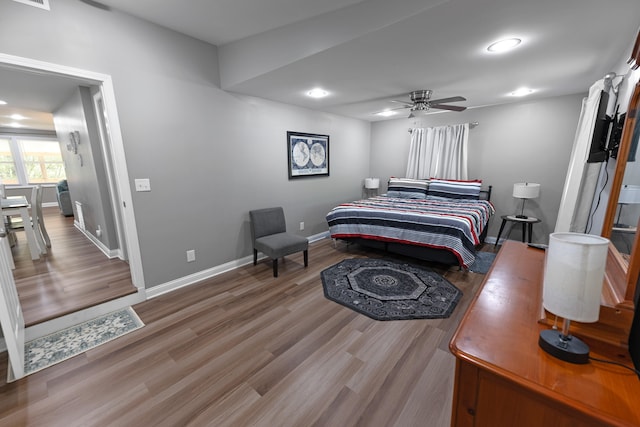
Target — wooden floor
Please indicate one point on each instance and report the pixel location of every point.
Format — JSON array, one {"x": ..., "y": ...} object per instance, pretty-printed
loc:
[
  {"x": 244, "y": 349},
  {"x": 73, "y": 275}
]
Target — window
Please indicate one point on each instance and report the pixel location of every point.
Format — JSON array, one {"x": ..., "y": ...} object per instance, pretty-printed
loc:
[
  {"x": 26, "y": 161},
  {"x": 7, "y": 165},
  {"x": 42, "y": 161}
]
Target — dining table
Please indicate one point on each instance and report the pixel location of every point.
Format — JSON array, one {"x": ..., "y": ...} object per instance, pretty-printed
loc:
[{"x": 18, "y": 205}]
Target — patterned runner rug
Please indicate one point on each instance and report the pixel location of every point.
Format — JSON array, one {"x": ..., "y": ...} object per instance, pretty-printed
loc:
[
  {"x": 390, "y": 290},
  {"x": 62, "y": 345}
]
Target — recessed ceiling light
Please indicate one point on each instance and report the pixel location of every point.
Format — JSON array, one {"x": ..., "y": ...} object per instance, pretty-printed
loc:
[
  {"x": 17, "y": 117},
  {"x": 523, "y": 91},
  {"x": 386, "y": 113},
  {"x": 317, "y": 93},
  {"x": 15, "y": 125},
  {"x": 504, "y": 45},
  {"x": 3, "y": 102}
]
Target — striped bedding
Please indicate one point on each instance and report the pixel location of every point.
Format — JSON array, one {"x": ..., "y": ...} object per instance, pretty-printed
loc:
[{"x": 450, "y": 224}]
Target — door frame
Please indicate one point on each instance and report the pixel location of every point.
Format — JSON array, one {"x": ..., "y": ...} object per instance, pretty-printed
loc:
[
  {"x": 119, "y": 183},
  {"x": 103, "y": 133}
]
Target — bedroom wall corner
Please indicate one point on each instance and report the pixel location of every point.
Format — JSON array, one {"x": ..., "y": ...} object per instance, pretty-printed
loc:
[{"x": 523, "y": 141}]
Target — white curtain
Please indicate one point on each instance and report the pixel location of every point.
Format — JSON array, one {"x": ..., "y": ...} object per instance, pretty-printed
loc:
[
  {"x": 581, "y": 179},
  {"x": 438, "y": 152}
]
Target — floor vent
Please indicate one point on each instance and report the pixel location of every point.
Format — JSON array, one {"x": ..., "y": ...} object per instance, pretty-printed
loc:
[{"x": 42, "y": 4}]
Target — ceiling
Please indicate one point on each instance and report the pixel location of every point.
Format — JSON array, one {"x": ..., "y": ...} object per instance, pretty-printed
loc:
[{"x": 368, "y": 53}]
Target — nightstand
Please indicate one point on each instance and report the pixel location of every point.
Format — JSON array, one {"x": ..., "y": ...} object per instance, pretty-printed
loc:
[{"x": 527, "y": 226}]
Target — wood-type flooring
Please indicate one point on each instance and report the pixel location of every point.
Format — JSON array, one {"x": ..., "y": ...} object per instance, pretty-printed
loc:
[
  {"x": 247, "y": 349},
  {"x": 74, "y": 274}
]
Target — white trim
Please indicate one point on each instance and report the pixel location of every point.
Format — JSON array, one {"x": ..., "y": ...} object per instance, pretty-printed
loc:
[
  {"x": 110, "y": 253},
  {"x": 117, "y": 149},
  {"x": 103, "y": 134},
  {"x": 119, "y": 163},
  {"x": 192, "y": 279}
]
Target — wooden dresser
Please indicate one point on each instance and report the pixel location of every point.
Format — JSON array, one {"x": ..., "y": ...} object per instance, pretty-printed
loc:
[{"x": 504, "y": 379}]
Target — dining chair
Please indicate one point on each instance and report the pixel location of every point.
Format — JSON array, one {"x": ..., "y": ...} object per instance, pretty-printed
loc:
[
  {"x": 40, "y": 217},
  {"x": 269, "y": 236},
  {"x": 37, "y": 222}
]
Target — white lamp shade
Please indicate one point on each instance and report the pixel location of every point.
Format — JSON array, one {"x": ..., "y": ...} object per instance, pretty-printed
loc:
[
  {"x": 526, "y": 190},
  {"x": 573, "y": 275},
  {"x": 372, "y": 183}
]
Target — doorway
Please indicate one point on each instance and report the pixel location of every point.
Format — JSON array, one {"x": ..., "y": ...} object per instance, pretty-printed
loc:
[{"x": 111, "y": 143}]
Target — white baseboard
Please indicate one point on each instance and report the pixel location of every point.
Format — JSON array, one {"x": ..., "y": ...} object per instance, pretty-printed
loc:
[
  {"x": 110, "y": 253},
  {"x": 212, "y": 272}
]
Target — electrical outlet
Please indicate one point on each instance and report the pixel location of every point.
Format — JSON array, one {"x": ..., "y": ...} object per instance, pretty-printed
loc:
[
  {"x": 143, "y": 184},
  {"x": 191, "y": 255},
  {"x": 302, "y": 226}
]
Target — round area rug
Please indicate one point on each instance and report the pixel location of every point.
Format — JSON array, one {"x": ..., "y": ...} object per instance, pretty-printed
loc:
[{"x": 389, "y": 290}]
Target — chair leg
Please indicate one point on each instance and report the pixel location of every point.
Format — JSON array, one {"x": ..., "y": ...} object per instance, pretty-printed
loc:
[
  {"x": 306, "y": 257},
  {"x": 255, "y": 256},
  {"x": 275, "y": 267}
]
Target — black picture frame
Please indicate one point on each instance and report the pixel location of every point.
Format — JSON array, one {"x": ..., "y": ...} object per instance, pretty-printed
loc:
[{"x": 307, "y": 154}]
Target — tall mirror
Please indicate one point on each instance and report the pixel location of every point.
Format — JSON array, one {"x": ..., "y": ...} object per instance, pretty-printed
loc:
[
  {"x": 623, "y": 262},
  {"x": 623, "y": 209},
  {"x": 616, "y": 186}
]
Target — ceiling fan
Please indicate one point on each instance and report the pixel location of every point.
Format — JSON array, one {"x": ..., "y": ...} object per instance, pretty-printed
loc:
[{"x": 421, "y": 103}]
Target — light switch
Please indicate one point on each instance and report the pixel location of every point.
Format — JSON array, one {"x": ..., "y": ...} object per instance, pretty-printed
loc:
[{"x": 143, "y": 184}]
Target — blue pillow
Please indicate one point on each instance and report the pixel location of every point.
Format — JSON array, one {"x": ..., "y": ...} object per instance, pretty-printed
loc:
[
  {"x": 454, "y": 189},
  {"x": 407, "y": 188}
]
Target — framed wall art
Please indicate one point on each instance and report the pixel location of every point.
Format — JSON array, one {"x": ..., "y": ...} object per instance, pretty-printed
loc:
[{"x": 307, "y": 154}]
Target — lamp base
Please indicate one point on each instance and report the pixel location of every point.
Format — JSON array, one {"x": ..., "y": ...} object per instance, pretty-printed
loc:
[
  {"x": 567, "y": 348},
  {"x": 522, "y": 216}
]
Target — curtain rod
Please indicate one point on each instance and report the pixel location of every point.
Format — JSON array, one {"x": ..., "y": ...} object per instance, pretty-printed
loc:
[{"x": 471, "y": 126}]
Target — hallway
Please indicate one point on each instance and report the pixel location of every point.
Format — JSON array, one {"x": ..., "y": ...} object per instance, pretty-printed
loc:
[{"x": 73, "y": 275}]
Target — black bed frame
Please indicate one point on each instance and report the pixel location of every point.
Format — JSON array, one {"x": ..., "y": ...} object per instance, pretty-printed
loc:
[{"x": 441, "y": 256}]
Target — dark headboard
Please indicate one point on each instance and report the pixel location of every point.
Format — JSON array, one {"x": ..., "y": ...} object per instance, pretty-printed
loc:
[{"x": 486, "y": 194}]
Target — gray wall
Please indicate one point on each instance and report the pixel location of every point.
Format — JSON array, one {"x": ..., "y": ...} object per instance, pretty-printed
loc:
[
  {"x": 211, "y": 156},
  {"x": 85, "y": 172},
  {"x": 525, "y": 141}
]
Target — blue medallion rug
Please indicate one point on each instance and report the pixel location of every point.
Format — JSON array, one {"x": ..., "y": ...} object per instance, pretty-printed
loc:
[
  {"x": 389, "y": 290},
  {"x": 62, "y": 345}
]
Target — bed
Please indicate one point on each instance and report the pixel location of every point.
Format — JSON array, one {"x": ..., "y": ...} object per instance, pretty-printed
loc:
[{"x": 435, "y": 220}]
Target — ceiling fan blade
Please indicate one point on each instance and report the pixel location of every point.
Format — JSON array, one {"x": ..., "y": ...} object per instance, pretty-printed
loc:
[
  {"x": 392, "y": 109},
  {"x": 408, "y": 104},
  {"x": 448, "y": 107},
  {"x": 96, "y": 4},
  {"x": 445, "y": 100}
]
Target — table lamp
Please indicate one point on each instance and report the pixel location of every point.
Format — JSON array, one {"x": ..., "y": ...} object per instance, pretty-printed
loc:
[
  {"x": 372, "y": 183},
  {"x": 371, "y": 186},
  {"x": 524, "y": 191},
  {"x": 572, "y": 288}
]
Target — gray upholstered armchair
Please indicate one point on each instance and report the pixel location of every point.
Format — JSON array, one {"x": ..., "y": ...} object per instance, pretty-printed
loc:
[
  {"x": 64, "y": 198},
  {"x": 269, "y": 236}
]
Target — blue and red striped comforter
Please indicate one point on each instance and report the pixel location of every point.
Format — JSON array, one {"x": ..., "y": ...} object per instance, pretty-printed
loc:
[{"x": 451, "y": 224}]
